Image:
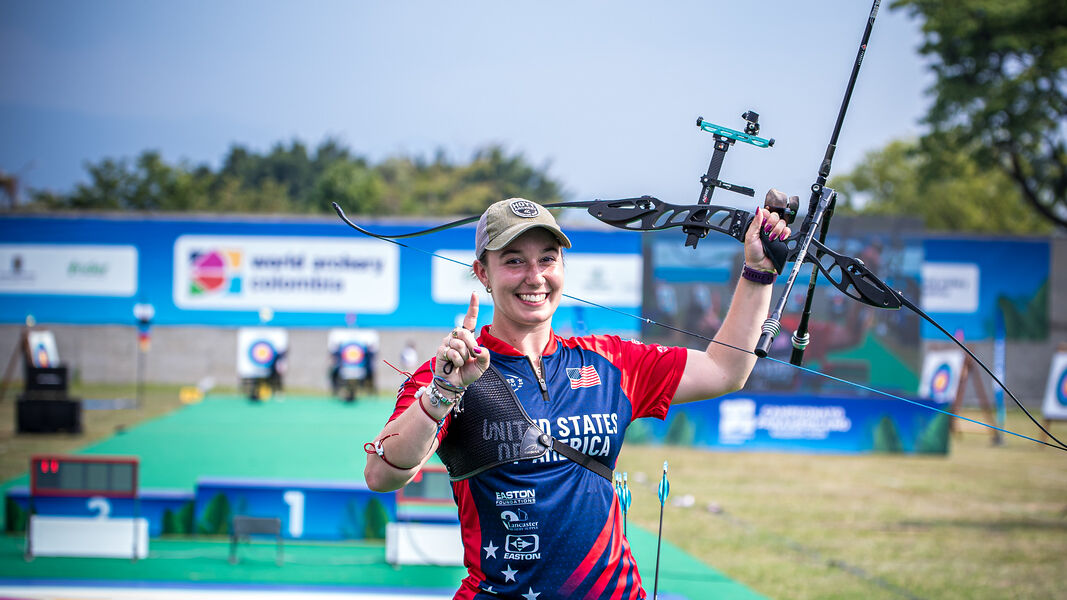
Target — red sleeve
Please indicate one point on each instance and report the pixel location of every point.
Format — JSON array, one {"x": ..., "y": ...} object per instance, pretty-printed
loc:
[
  {"x": 405, "y": 396},
  {"x": 650, "y": 372}
]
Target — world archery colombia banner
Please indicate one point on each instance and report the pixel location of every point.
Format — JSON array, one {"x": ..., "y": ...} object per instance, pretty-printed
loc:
[
  {"x": 1055, "y": 403},
  {"x": 801, "y": 423},
  {"x": 221, "y": 270},
  {"x": 691, "y": 289},
  {"x": 285, "y": 273}
]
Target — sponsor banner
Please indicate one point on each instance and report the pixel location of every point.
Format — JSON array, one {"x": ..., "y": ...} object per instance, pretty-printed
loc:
[
  {"x": 243, "y": 265},
  {"x": 285, "y": 273},
  {"x": 73, "y": 270},
  {"x": 818, "y": 424},
  {"x": 1055, "y": 404},
  {"x": 608, "y": 279},
  {"x": 950, "y": 287}
]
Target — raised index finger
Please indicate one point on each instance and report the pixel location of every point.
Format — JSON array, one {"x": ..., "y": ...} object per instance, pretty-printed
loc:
[{"x": 470, "y": 320}]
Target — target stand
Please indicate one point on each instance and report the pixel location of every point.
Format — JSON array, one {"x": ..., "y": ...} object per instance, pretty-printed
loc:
[{"x": 946, "y": 372}]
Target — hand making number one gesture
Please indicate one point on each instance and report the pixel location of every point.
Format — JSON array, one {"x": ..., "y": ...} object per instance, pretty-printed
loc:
[{"x": 459, "y": 358}]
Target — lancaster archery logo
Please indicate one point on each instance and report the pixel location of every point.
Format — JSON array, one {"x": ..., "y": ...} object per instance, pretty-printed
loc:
[
  {"x": 583, "y": 377},
  {"x": 215, "y": 272}
]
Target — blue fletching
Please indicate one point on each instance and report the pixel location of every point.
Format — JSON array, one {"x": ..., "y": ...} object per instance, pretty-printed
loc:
[{"x": 664, "y": 485}]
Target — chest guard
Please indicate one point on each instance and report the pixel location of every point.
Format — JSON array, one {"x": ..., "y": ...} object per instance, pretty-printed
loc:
[{"x": 493, "y": 429}]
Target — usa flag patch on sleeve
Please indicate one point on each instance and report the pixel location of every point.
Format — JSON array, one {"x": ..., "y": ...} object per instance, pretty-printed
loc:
[{"x": 583, "y": 377}]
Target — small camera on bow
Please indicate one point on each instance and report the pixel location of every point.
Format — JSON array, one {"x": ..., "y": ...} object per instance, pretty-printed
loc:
[{"x": 751, "y": 122}]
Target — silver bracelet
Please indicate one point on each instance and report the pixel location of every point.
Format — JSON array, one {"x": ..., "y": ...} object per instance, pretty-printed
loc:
[{"x": 438, "y": 399}]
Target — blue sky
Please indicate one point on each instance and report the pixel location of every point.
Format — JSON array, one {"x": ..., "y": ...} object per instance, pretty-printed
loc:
[{"x": 606, "y": 94}]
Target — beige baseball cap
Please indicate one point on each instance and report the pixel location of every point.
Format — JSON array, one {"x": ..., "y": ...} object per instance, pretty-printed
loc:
[{"x": 506, "y": 220}]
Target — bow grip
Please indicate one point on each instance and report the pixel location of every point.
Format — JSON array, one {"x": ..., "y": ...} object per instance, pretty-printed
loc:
[{"x": 777, "y": 251}]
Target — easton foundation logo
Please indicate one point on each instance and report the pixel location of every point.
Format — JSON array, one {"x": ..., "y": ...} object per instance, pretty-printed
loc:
[{"x": 215, "y": 272}]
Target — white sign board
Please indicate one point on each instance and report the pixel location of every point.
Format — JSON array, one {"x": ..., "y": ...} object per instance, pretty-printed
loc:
[
  {"x": 285, "y": 273},
  {"x": 423, "y": 544},
  {"x": 941, "y": 375},
  {"x": 608, "y": 279},
  {"x": 258, "y": 348},
  {"x": 1055, "y": 404},
  {"x": 68, "y": 269},
  {"x": 43, "y": 352},
  {"x": 950, "y": 287},
  {"x": 92, "y": 537}
]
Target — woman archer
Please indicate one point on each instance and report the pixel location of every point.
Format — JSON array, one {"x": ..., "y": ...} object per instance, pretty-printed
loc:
[{"x": 529, "y": 423}]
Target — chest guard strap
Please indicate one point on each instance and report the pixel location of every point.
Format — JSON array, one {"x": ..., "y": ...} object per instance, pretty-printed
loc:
[{"x": 494, "y": 429}]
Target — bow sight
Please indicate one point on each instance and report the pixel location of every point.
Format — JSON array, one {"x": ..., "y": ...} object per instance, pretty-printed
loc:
[{"x": 724, "y": 138}]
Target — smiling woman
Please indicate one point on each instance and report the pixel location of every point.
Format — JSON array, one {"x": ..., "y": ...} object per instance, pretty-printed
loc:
[{"x": 524, "y": 418}]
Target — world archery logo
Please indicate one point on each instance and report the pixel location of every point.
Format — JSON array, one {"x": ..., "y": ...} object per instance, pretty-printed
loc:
[
  {"x": 261, "y": 353},
  {"x": 215, "y": 272},
  {"x": 1061, "y": 389},
  {"x": 941, "y": 381}
]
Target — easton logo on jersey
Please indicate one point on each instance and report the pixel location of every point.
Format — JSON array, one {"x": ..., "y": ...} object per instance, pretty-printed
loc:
[{"x": 583, "y": 377}]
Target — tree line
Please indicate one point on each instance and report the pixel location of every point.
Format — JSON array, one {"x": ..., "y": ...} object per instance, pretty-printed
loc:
[
  {"x": 291, "y": 179},
  {"x": 993, "y": 159}
]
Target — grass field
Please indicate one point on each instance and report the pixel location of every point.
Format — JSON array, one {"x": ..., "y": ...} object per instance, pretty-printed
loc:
[{"x": 984, "y": 522}]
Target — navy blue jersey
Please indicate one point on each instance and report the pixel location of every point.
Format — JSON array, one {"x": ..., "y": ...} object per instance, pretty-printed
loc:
[{"x": 550, "y": 528}]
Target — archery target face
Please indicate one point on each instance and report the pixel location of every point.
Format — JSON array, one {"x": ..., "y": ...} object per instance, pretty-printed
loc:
[
  {"x": 43, "y": 351},
  {"x": 941, "y": 380},
  {"x": 351, "y": 347},
  {"x": 352, "y": 353},
  {"x": 257, "y": 349},
  {"x": 40, "y": 357},
  {"x": 1055, "y": 402},
  {"x": 261, "y": 353},
  {"x": 941, "y": 375}
]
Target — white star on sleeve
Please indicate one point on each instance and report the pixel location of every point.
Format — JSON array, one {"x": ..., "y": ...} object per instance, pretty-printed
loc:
[
  {"x": 531, "y": 595},
  {"x": 510, "y": 574},
  {"x": 490, "y": 550}
]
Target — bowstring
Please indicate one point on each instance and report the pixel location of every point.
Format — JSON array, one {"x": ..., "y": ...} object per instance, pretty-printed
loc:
[{"x": 1059, "y": 446}]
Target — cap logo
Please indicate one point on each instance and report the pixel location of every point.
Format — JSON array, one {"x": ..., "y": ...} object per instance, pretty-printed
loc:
[{"x": 523, "y": 208}]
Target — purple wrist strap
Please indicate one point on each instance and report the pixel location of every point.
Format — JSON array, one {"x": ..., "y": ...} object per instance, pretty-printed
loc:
[{"x": 757, "y": 276}]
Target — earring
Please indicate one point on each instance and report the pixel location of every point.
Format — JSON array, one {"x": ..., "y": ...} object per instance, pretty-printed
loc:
[{"x": 488, "y": 290}]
